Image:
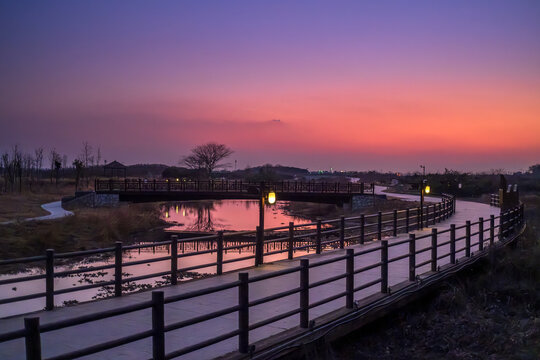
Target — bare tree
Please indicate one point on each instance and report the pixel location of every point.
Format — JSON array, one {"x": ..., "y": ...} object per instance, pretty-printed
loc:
[
  {"x": 79, "y": 166},
  {"x": 98, "y": 156},
  {"x": 54, "y": 160},
  {"x": 207, "y": 157},
  {"x": 38, "y": 154},
  {"x": 87, "y": 159}
]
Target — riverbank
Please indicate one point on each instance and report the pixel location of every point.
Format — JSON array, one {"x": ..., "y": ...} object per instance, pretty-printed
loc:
[
  {"x": 86, "y": 229},
  {"x": 497, "y": 306}
]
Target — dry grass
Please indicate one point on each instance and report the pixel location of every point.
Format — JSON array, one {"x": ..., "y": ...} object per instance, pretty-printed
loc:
[
  {"x": 87, "y": 229},
  {"x": 16, "y": 206}
]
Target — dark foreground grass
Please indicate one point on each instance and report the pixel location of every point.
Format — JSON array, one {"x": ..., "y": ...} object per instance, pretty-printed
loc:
[{"x": 488, "y": 312}]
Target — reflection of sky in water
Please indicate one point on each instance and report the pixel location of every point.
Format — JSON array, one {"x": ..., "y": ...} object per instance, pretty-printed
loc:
[{"x": 213, "y": 215}]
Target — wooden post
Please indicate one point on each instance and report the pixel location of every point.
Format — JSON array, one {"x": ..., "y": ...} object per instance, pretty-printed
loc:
[
  {"x": 349, "y": 280},
  {"x": 49, "y": 279},
  {"x": 412, "y": 257},
  {"x": 419, "y": 220},
  {"x": 259, "y": 247},
  {"x": 481, "y": 234},
  {"x": 304, "y": 293},
  {"x": 434, "y": 249},
  {"x": 384, "y": 266},
  {"x": 362, "y": 188},
  {"x": 32, "y": 338},
  {"x": 118, "y": 269},
  {"x": 219, "y": 267},
  {"x": 453, "y": 244},
  {"x": 395, "y": 223},
  {"x": 243, "y": 313},
  {"x": 318, "y": 247},
  {"x": 362, "y": 228},
  {"x": 158, "y": 325},
  {"x": 174, "y": 259},
  {"x": 342, "y": 232},
  {"x": 290, "y": 246},
  {"x": 468, "y": 238},
  {"x": 407, "y": 220},
  {"x": 379, "y": 226},
  {"x": 491, "y": 230}
]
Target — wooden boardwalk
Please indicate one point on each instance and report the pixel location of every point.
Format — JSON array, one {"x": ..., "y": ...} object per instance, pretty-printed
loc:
[{"x": 80, "y": 336}]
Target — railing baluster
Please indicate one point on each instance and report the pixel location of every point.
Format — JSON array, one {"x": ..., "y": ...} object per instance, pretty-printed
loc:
[
  {"x": 118, "y": 269},
  {"x": 491, "y": 230},
  {"x": 318, "y": 247},
  {"x": 243, "y": 313},
  {"x": 394, "y": 233},
  {"x": 49, "y": 280},
  {"x": 32, "y": 338},
  {"x": 379, "y": 226},
  {"x": 434, "y": 249},
  {"x": 342, "y": 233},
  {"x": 407, "y": 220},
  {"x": 349, "y": 280},
  {"x": 290, "y": 246},
  {"x": 259, "y": 247},
  {"x": 468, "y": 238},
  {"x": 304, "y": 293},
  {"x": 453, "y": 244},
  {"x": 412, "y": 257},
  {"x": 158, "y": 325},
  {"x": 174, "y": 259},
  {"x": 362, "y": 228},
  {"x": 384, "y": 266},
  {"x": 481, "y": 234},
  {"x": 219, "y": 267}
]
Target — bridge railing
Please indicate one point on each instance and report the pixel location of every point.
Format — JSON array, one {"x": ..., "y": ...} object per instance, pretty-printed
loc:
[
  {"x": 315, "y": 236},
  {"x": 466, "y": 243},
  {"x": 179, "y": 185}
]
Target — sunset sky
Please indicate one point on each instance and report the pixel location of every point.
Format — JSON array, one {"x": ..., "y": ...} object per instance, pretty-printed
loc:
[{"x": 359, "y": 85}]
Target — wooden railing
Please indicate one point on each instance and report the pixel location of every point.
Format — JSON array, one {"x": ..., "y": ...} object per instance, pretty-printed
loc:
[
  {"x": 318, "y": 235},
  {"x": 482, "y": 232},
  {"x": 178, "y": 185}
]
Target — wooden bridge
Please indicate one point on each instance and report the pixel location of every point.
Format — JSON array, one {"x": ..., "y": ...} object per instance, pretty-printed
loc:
[
  {"x": 361, "y": 266},
  {"x": 178, "y": 189}
]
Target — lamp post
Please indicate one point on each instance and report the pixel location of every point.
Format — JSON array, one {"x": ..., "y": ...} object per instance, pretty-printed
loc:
[
  {"x": 422, "y": 190},
  {"x": 264, "y": 196}
]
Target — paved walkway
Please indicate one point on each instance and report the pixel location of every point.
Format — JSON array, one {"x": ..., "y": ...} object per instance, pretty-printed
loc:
[
  {"x": 85, "y": 335},
  {"x": 54, "y": 208}
]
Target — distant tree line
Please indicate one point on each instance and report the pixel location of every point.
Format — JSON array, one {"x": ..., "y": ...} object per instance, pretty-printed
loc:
[{"x": 23, "y": 170}]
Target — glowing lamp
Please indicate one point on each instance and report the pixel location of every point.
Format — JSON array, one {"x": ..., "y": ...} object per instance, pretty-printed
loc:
[
  {"x": 271, "y": 197},
  {"x": 177, "y": 179},
  {"x": 427, "y": 189}
]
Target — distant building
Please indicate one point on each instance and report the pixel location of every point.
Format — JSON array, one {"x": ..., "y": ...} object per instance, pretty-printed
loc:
[{"x": 114, "y": 169}]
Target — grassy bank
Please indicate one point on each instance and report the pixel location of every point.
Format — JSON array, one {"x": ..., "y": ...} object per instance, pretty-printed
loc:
[
  {"x": 87, "y": 229},
  {"x": 491, "y": 312},
  {"x": 26, "y": 204}
]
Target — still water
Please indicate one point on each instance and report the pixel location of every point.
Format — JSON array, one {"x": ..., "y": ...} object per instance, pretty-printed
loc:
[
  {"x": 193, "y": 216},
  {"x": 235, "y": 215}
]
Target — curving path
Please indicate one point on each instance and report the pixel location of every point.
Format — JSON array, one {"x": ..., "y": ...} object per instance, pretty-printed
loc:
[
  {"x": 76, "y": 337},
  {"x": 54, "y": 208}
]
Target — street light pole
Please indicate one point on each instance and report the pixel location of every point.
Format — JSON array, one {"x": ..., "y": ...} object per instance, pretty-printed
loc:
[
  {"x": 421, "y": 225},
  {"x": 262, "y": 193}
]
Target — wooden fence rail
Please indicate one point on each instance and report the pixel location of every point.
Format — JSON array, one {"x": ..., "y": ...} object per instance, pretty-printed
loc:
[{"x": 510, "y": 223}]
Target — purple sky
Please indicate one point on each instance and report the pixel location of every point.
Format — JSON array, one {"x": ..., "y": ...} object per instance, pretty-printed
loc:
[{"x": 384, "y": 85}]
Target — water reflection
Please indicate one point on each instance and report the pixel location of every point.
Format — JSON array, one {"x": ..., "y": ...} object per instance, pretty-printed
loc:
[{"x": 215, "y": 215}]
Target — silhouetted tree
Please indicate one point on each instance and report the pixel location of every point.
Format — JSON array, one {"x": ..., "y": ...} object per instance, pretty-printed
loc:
[
  {"x": 79, "y": 166},
  {"x": 207, "y": 157}
]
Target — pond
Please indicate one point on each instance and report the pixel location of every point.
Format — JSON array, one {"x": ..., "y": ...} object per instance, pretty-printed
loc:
[
  {"x": 191, "y": 216},
  {"x": 228, "y": 215}
]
